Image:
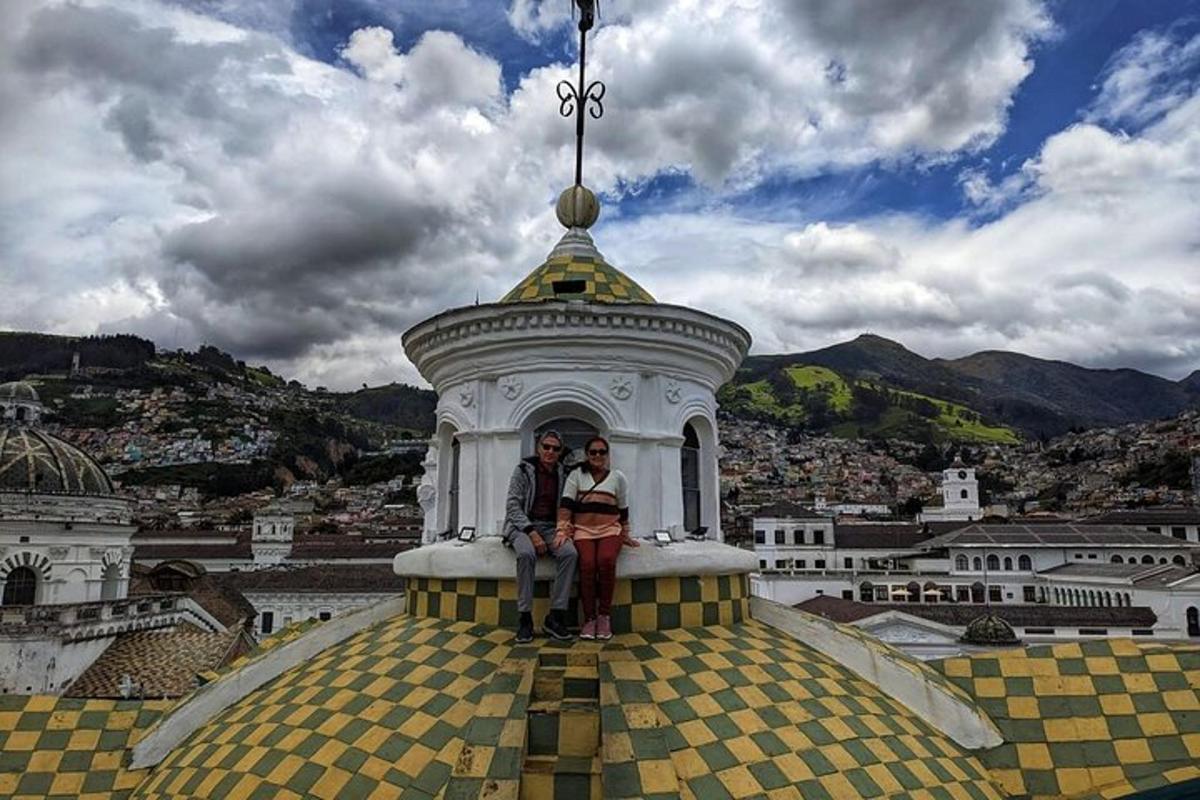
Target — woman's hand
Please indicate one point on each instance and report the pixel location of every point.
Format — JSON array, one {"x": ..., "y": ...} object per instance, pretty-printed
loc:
[
  {"x": 560, "y": 538},
  {"x": 629, "y": 541}
]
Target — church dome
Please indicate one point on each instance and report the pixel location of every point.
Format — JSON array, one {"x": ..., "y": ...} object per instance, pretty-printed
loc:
[
  {"x": 575, "y": 269},
  {"x": 18, "y": 391},
  {"x": 990, "y": 630},
  {"x": 32, "y": 460}
]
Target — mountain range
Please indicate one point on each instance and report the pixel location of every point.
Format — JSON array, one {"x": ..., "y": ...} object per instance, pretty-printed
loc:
[{"x": 1004, "y": 390}]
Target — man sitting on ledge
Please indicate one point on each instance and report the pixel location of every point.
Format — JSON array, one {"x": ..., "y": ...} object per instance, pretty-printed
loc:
[{"x": 532, "y": 510}]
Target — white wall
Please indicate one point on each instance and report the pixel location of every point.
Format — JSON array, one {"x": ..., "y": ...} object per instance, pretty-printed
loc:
[{"x": 45, "y": 665}]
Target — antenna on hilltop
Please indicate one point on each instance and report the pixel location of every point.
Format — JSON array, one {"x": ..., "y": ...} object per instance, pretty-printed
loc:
[{"x": 573, "y": 98}]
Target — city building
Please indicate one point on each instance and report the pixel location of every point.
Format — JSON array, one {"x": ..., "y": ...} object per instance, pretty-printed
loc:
[{"x": 960, "y": 497}]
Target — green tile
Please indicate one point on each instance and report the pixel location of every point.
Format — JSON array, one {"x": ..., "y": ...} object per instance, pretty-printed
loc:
[
  {"x": 817, "y": 762},
  {"x": 768, "y": 775},
  {"x": 709, "y": 787},
  {"x": 621, "y": 780},
  {"x": 717, "y": 756}
]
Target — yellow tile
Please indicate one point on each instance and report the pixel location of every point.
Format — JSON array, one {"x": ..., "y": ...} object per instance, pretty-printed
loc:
[
  {"x": 1133, "y": 751},
  {"x": 640, "y": 716},
  {"x": 705, "y": 706},
  {"x": 84, "y": 740},
  {"x": 886, "y": 780},
  {"x": 1158, "y": 723},
  {"x": 1034, "y": 756},
  {"x": 1116, "y": 704},
  {"x": 1162, "y": 662},
  {"x": 59, "y": 721},
  {"x": 958, "y": 667},
  {"x": 1061, "y": 730},
  {"x": 1139, "y": 683},
  {"x": 41, "y": 702},
  {"x": 1192, "y": 742},
  {"x": 990, "y": 687},
  {"x": 1073, "y": 780},
  {"x": 657, "y": 776},
  {"x": 838, "y": 729},
  {"x": 695, "y": 732},
  {"x": 21, "y": 741},
  {"x": 329, "y": 752},
  {"x": 644, "y": 617},
  {"x": 68, "y": 783},
  {"x": 244, "y": 787},
  {"x": 330, "y": 784},
  {"x": 739, "y": 782},
  {"x": 1181, "y": 700},
  {"x": 1102, "y": 665},
  {"x": 1093, "y": 729},
  {"x": 8, "y": 783},
  {"x": 121, "y": 720},
  {"x": 1023, "y": 708},
  {"x": 688, "y": 764},
  {"x": 416, "y": 759},
  {"x": 44, "y": 761},
  {"x": 838, "y": 786},
  {"x": 285, "y": 769}
]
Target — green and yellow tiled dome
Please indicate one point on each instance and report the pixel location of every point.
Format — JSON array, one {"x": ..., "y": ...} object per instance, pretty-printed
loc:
[
  {"x": 575, "y": 269},
  {"x": 570, "y": 276}
]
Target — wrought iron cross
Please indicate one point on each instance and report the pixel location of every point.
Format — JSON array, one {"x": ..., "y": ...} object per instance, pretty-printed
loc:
[{"x": 573, "y": 98}]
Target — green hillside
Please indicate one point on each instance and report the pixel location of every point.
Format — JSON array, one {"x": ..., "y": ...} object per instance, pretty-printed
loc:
[{"x": 820, "y": 400}]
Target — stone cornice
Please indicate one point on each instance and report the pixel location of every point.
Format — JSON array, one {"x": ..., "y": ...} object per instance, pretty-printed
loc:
[{"x": 459, "y": 344}]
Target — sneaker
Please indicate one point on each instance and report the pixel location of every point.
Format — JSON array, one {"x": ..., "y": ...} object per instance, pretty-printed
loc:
[
  {"x": 525, "y": 629},
  {"x": 603, "y": 627},
  {"x": 588, "y": 631},
  {"x": 553, "y": 626}
]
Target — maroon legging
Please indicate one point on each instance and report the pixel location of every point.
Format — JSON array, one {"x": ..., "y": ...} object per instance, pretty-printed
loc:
[{"x": 597, "y": 564}]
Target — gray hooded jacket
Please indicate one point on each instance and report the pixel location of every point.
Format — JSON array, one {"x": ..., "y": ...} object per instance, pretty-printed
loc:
[{"x": 521, "y": 489}]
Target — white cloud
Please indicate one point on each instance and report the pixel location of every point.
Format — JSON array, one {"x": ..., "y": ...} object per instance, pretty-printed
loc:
[
  {"x": 200, "y": 180},
  {"x": 1148, "y": 77}
]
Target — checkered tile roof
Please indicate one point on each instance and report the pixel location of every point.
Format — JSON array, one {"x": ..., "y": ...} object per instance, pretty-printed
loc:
[
  {"x": 1088, "y": 719},
  {"x": 572, "y": 276}
]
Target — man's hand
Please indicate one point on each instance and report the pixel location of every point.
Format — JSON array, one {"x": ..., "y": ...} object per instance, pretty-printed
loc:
[
  {"x": 539, "y": 544},
  {"x": 560, "y": 538}
]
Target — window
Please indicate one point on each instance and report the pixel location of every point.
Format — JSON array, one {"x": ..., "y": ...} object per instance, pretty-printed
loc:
[
  {"x": 1179, "y": 532},
  {"x": 1039, "y": 631},
  {"x": 818, "y": 536},
  {"x": 819, "y": 563},
  {"x": 994, "y": 594},
  {"x": 847, "y": 594},
  {"x": 798, "y": 536},
  {"x": 848, "y": 563},
  {"x": 1143, "y": 632},
  {"x": 780, "y": 536},
  {"x": 801, "y": 563},
  {"x": 762, "y": 563},
  {"x": 960, "y": 563},
  {"x": 324, "y": 616},
  {"x": 689, "y": 468},
  {"x": 20, "y": 589},
  {"x": 977, "y": 563},
  {"x": 780, "y": 563},
  {"x": 760, "y": 537},
  {"x": 1079, "y": 556},
  {"x": 1025, "y": 563},
  {"x": 1118, "y": 560},
  {"x": 866, "y": 592},
  {"x": 1008, "y": 564},
  {"x": 1147, "y": 559},
  {"x": 110, "y": 585},
  {"x": 267, "y": 624},
  {"x": 1030, "y": 597},
  {"x": 1092, "y": 556},
  {"x": 962, "y": 594},
  {"x": 963, "y": 494},
  {"x": 881, "y": 594},
  {"x": 993, "y": 562},
  {"x": 1093, "y": 631},
  {"x": 1178, "y": 561},
  {"x": 1153, "y": 529}
]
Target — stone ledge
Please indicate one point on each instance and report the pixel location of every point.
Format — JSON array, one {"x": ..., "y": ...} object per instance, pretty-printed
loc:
[{"x": 489, "y": 558}]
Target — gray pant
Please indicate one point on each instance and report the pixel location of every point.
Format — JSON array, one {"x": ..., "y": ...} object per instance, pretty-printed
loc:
[{"x": 564, "y": 575}]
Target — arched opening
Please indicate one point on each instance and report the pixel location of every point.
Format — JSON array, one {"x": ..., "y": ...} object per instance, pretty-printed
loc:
[
  {"x": 110, "y": 585},
  {"x": 993, "y": 562},
  {"x": 866, "y": 592},
  {"x": 452, "y": 494},
  {"x": 689, "y": 468},
  {"x": 1128, "y": 600},
  {"x": 977, "y": 562},
  {"x": 575, "y": 433},
  {"x": 1178, "y": 561},
  {"x": 1008, "y": 563},
  {"x": 1193, "y": 621},
  {"x": 977, "y": 592},
  {"x": 1025, "y": 563},
  {"x": 1118, "y": 560},
  {"x": 20, "y": 588},
  {"x": 914, "y": 592},
  {"x": 1147, "y": 559},
  {"x": 960, "y": 563},
  {"x": 963, "y": 494}
]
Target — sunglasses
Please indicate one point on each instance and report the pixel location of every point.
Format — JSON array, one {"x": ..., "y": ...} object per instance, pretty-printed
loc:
[
  {"x": 597, "y": 452},
  {"x": 552, "y": 448}
]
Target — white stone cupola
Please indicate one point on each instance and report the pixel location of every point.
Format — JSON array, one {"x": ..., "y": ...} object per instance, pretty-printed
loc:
[
  {"x": 580, "y": 347},
  {"x": 272, "y": 534}
]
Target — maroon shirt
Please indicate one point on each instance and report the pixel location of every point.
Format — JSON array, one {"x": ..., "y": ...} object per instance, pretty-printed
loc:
[{"x": 545, "y": 495}]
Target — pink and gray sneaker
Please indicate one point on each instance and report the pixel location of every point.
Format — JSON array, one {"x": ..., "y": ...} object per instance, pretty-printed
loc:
[
  {"x": 604, "y": 627},
  {"x": 588, "y": 631}
]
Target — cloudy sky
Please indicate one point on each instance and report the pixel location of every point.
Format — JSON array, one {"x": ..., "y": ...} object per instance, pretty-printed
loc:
[{"x": 299, "y": 181}]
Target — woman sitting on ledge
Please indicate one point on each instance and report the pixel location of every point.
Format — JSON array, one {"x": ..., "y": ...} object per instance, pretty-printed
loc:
[{"x": 594, "y": 512}]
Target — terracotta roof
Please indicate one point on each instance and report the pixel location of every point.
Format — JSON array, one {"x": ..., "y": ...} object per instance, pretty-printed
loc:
[
  {"x": 323, "y": 578},
  {"x": 163, "y": 664},
  {"x": 188, "y": 552},
  {"x": 837, "y": 609},
  {"x": 340, "y": 546},
  {"x": 878, "y": 536},
  {"x": 786, "y": 510}
]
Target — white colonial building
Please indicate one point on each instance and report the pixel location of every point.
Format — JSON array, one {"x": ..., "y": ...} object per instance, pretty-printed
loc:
[{"x": 579, "y": 347}]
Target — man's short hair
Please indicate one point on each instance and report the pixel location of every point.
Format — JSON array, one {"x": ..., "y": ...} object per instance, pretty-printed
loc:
[{"x": 544, "y": 434}]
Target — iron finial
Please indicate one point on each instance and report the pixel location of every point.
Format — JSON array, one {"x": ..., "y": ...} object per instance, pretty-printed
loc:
[{"x": 574, "y": 97}]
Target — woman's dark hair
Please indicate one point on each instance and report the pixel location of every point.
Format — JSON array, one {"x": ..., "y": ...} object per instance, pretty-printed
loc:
[{"x": 588, "y": 446}]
